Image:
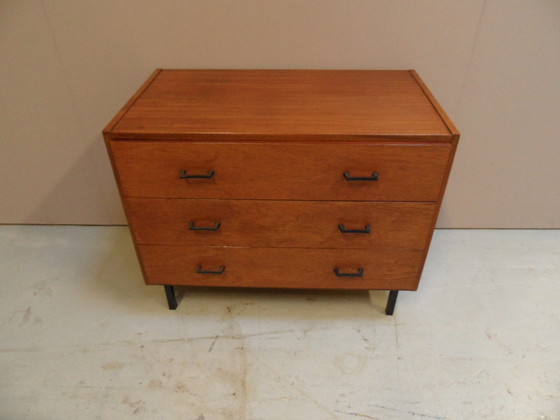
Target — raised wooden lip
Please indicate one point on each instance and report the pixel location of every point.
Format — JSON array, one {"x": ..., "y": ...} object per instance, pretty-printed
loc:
[
  {"x": 256, "y": 138},
  {"x": 439, "y": 109},
  {"x": 122, "y": 112}
]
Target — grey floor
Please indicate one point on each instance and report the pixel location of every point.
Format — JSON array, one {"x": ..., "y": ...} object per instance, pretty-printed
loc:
[{"x": 81, "y": 337}]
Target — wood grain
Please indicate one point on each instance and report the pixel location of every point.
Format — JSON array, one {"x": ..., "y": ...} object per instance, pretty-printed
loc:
[
  {"x": 281, "y": 170},
  {"x": 280, "y": 267},
  {"x": 218, "y": 104},
  {"x": 298, "y": 224}
]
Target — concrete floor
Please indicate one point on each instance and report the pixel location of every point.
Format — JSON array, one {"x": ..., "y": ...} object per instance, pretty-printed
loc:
[{"x": 81, "y": 337}]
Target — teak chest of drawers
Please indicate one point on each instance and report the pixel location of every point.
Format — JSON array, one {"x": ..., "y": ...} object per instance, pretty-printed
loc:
[{"x": 312, "y": 179}]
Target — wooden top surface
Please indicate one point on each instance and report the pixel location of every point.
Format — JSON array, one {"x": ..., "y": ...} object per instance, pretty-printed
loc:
[{"x": 254, "y": 104}]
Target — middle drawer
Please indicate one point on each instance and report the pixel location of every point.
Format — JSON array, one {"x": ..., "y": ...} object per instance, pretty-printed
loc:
[{"x": 266, "y": 223}]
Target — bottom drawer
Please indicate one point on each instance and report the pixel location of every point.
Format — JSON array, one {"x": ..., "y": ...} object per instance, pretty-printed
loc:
[{"x": 281, "y": 267}]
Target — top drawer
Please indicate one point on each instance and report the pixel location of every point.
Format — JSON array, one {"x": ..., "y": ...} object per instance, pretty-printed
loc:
[{"x": 307, "y": 171}]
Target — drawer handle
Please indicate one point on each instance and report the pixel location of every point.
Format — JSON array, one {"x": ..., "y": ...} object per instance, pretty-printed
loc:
[
  {"x": 184, "y": 175},
  {"x": 366, "y": 229},
  {"x": 359, "y": 273},
  {"x": 373, "y": 177},
  {"x": 199, "y": 270},
  {"x": 193, "y": 226}
]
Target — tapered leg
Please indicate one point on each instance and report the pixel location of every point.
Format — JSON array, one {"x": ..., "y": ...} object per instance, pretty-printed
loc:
[
  {"x": 171, "y": 298},
  {"x": 391, "y": 301}
]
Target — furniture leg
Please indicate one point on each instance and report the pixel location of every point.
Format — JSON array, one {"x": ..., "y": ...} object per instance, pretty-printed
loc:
[
  {"x": 171, "y": 298},
  {"x": 391, "y": 301}
]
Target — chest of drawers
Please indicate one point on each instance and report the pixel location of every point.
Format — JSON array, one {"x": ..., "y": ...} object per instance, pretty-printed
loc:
[{"x": 282, "y": 178}]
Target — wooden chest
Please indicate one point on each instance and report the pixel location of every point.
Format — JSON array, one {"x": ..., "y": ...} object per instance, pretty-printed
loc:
[{"x": 282, "y": 178}]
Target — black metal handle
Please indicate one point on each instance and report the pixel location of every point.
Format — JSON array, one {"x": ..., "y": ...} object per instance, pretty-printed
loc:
[
  {"x": 366, "y": 229},
  {"x": 183, "y": 174},
  {"x": 193, "y": 226},
  {"x": 373, "y": 177},
  {"x": 199, "y": 270},
  {"x": 359, "y": 273}
]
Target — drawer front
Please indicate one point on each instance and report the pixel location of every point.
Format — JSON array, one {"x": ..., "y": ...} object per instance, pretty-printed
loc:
[
  {"x": 259, "y": 223},
  {"x": 281, "y": 268},
  {"x": 411, "y": 172}
]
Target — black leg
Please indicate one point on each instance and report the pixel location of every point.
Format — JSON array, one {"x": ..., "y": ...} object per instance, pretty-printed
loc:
[
  {"x": 171, "y": 298},
  {"x": 391, "y": 301}
]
